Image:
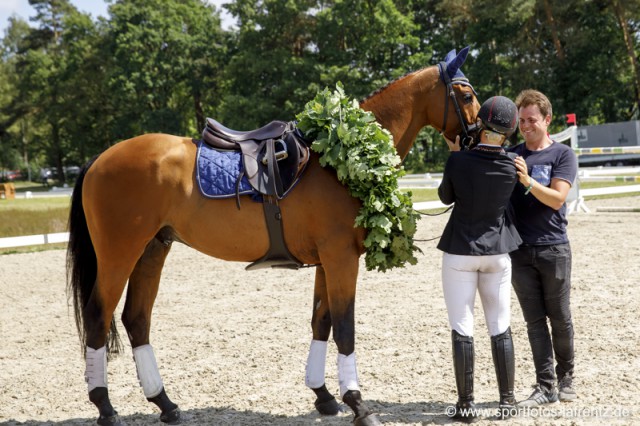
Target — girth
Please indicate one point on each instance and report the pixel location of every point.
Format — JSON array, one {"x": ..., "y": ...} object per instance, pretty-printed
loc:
[{"x": 274, "y": 157}]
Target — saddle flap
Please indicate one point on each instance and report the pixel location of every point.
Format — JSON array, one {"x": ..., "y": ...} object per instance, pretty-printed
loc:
[
  {"x": 262, "y": 167},
  {"x": 252, "y": 154}
]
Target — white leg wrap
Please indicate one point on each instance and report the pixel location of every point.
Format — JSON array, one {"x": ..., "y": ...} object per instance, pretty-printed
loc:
[
  {"x": 314, "y": 377},
  {"x": 95, "y": 373},
  {"x": 347, "y": 374},
  {"x": 148, "y": 373}
]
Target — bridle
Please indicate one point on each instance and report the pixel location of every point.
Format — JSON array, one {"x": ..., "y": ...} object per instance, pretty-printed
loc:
[{"x": 467, "y": 129}]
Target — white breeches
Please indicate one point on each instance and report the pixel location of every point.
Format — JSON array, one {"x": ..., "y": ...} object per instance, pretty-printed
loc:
[{"x": 491, "y": 276}]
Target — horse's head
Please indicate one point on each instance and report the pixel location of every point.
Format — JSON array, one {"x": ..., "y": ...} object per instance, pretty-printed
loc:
[
  {"x": 440, "y": 97},
  {"x": 460, "y": 98}
]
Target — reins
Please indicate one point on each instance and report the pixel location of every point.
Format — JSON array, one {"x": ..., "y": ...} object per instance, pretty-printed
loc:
[{"x": 432, "y": 214}]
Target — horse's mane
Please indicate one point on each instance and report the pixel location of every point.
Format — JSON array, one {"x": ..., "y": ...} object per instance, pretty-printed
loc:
[{"x": 392, "y": 82}]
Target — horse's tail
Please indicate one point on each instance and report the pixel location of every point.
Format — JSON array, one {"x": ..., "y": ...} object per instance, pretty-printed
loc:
[{"x": 82, "y": 266}]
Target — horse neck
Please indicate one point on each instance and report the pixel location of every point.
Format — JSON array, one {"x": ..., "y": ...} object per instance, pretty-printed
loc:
[{"x": 402, "y": 107}]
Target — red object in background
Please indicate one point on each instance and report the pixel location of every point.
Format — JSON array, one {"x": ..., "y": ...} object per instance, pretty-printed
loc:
[{"x": 571, "y": 119}]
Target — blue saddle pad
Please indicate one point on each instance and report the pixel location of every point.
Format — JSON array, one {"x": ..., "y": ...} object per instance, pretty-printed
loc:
[{"x": 217, "y": 172}]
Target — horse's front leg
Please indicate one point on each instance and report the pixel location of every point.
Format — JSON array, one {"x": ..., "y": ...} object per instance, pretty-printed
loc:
[
  {"x": 136, "y": 316},
  {"x": 341, "y": 277},
  {"x": 321, "y": 327}
]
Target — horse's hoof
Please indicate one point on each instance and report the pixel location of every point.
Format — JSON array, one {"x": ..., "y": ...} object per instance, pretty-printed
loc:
[
  {"x": 110, "y": 420},
  {"x": 368, "y": 420},
  {"x": 171, "y": 417},
  {"x": 328, "y": 408}
]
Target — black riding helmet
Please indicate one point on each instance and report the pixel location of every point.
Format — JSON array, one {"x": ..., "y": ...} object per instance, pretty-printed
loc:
[{"x": 499, "y": 114}]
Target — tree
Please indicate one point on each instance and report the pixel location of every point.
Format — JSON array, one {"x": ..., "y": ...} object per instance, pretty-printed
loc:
[
  {"x": 365, "y": 44},
  {"x": 630, "y": 30},
  {"x": 273, "y": 62},
  {"x": 12, "y": 106},
  {"x": 163, "y": 59},
  {"x": 40, "y": 67}
]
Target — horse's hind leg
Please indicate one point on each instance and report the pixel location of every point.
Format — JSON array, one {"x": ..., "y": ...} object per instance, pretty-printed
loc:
[
  {"x": 321, "y": 327},
  {"x": 143, "y": 288},
  {"x": 100, "y": 329}
]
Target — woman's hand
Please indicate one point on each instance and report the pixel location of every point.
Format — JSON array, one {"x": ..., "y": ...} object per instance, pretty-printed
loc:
[{"x": 453, "y": 146}]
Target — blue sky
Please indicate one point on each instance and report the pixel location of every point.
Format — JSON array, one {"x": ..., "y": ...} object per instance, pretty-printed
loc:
[{"x": 94, "y": 7}]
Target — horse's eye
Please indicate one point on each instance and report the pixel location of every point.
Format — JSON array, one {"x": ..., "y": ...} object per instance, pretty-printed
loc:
[{"x": 468, "y": 98}]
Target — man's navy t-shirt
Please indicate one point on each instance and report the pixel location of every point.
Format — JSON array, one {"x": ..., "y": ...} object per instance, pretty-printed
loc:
[{"x": 537, "y": 223}]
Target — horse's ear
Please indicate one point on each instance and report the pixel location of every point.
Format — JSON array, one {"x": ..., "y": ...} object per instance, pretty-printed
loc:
[
  {"x": 450, "y": 56},
  {"x": 454, "y": 64}
]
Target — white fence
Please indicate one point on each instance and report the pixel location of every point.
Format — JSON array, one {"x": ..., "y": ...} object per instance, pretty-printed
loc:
[
  {"x": 32, "y": 240},
  {"x": 575, "y": 200}
]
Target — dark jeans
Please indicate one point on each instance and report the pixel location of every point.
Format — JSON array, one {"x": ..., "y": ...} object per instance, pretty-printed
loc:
[{"x": 541, "y": 278}]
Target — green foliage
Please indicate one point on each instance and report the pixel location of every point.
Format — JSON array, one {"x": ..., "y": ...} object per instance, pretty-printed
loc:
[
  {"x": 268, "y": 74},
  {"x": 365, "y": 160},
  {"x": 428, "y": 153},
  {"x": 163, "y": 62},
  {"x": 71, "y": 86},
  {"x": 365, "y": 44}
]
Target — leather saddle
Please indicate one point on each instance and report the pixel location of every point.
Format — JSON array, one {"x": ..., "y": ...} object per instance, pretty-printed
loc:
[{"x": 274, "y": 156}]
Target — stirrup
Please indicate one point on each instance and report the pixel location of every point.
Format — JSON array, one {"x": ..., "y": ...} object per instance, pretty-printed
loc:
[{"x": 280, "y": 155}]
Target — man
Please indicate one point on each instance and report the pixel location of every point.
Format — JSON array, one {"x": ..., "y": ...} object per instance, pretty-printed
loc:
[{"x": 541, "y": 274}]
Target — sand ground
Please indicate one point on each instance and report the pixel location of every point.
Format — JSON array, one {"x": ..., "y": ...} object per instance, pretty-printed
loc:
[{"x": 232, "y": 345}]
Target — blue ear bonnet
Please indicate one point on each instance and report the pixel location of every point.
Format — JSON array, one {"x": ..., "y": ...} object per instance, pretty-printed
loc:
[{"x": 451, "y": 65}]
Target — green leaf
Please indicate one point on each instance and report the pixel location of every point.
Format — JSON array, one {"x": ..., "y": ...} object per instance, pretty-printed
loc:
[{"x": 365, "y": 160}]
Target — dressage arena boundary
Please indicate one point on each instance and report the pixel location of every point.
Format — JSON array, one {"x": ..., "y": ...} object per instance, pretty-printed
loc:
[
  {"x": 575, "y": 200},
  {"x": 572, "y": 205},
  {"x": 618, "y": 209},
  {"x": 607, "y": 150},
  {"x": 33, "y": 240}
]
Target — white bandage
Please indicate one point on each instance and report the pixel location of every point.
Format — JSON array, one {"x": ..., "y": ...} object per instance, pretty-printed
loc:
[
  {"x": 148, "y": 373},
  {"x": 347, "y": 374},
  {"x": 314, "y": 377},
  {"x": 95, "y": 373}
]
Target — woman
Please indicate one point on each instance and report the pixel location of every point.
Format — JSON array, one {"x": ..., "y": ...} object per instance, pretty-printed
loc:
[{"x": 476, "y": 243}]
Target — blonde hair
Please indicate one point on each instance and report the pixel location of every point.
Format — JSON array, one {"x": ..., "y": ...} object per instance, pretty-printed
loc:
[{"x": 530, "y": 97}]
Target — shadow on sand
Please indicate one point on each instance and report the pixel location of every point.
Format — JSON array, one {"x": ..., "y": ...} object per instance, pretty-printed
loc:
[{"x": 424, "y": 413}]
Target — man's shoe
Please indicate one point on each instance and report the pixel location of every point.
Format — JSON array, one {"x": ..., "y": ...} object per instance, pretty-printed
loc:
[
  {"x": 565, "y": 389},
  {"x": 540, "y": 397}
]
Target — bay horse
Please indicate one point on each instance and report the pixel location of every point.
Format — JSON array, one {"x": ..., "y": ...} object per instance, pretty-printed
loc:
[{"x": 137, "y": 197}]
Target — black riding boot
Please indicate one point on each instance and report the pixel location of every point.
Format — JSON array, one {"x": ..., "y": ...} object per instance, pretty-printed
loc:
[
  {"x": 503, "y": 360},
  {"x": 463, "y": 360}
]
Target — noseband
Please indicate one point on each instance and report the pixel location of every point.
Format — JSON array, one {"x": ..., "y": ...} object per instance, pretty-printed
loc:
[{"x": 467, "y": 129}]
